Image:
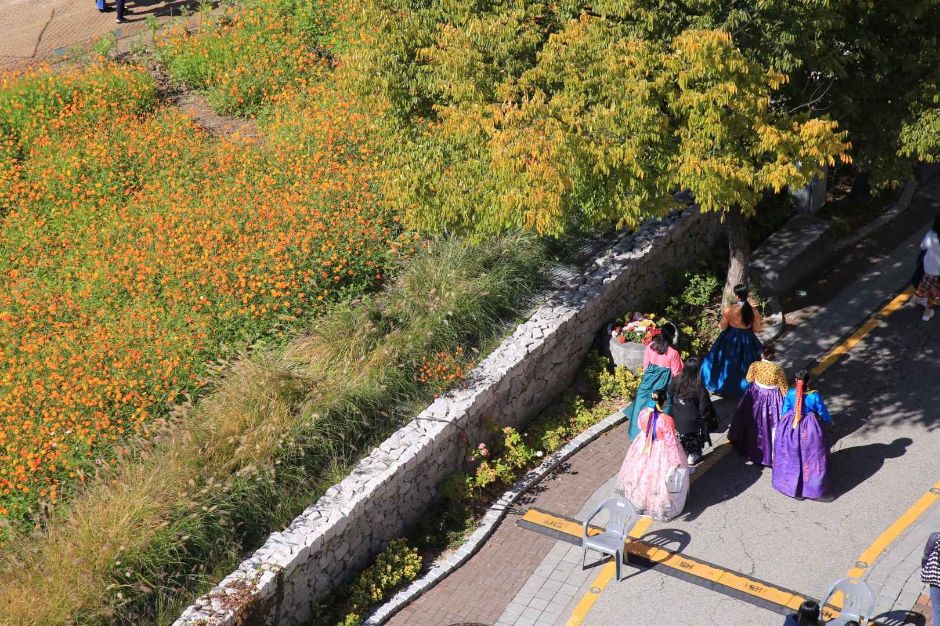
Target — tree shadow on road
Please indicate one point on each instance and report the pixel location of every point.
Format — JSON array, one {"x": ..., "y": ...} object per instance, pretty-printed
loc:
[
  {"x": 850, "y": 467},
  {"x": 889, "y": 381}
]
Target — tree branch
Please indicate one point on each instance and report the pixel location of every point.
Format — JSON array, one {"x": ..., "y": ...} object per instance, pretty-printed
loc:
[{"x": 813, "y": 100}]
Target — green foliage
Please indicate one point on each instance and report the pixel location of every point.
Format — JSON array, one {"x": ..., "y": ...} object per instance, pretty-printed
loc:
[
  {"x": 694, "y": 311},
  {"x": 105, "y": 45},
  {"x": 564, "y": 117},
  {"x": 621, "y": 384},
  {"x": 247, "y": 55},
  {"x": 920, "y": 137},
  {"x": 394, "y": 566}
]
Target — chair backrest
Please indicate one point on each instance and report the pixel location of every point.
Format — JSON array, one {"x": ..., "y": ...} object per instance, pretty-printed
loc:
[
  {"x": 622, "y": 517},
  {"x": 858, "y": 602}
]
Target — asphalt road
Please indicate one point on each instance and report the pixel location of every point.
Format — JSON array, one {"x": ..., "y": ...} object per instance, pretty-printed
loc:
[{"x": 885, "y": 399}]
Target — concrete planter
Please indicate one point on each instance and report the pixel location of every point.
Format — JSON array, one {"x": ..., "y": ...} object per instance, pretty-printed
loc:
[{"x": 629, "y": 355}]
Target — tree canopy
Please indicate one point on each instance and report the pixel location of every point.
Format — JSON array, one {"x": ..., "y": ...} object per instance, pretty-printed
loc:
[
  {"x": 557, "y": 116},
  {"x": 568, "y": 115}
]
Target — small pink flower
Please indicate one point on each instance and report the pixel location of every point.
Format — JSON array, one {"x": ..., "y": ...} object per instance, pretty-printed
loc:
[{"x": 483, "y": 451}]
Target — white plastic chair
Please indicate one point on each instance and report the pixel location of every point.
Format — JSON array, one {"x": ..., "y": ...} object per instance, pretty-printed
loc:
[
  {"x": 858, "y": 602},
  {"x": 622, "y": 519}
]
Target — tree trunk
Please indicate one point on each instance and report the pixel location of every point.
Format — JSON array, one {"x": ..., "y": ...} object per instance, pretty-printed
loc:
[{"x": 739, "y": 252}]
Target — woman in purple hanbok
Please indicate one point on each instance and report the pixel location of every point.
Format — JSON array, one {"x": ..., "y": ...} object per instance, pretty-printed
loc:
[
  {"x": 801, "y": 454},
  {"x": 758, "y": 412}
]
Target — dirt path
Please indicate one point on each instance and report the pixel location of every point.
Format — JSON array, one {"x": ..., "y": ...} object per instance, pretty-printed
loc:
[{"x": 36, "y": 30}]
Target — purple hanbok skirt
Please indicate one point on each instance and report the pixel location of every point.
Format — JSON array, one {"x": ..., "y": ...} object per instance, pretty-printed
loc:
[
  {"x": 754, "y": 421},
  {"x": 801, "y": 458}
]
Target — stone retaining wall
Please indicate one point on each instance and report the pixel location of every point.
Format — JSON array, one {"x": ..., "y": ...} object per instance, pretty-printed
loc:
[{"x": 388, "y": 490}]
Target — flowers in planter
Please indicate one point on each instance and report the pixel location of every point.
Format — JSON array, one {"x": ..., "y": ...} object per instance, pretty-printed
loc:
[{"x": 636, "y": 328}]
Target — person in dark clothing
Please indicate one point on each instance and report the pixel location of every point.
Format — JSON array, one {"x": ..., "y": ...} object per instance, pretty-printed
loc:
[
  {"x": 918, "y": 270},
  {"x": 119, "y": 5},
  {"x": 692, "y": 410}
]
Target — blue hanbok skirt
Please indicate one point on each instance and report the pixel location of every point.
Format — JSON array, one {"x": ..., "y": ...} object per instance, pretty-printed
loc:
[
  {"x": 725, "y": 367},
  {"x": 654, "y": 377}
]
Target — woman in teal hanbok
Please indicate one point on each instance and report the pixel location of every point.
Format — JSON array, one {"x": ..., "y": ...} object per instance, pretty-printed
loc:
[{"x": 660, "y": 363}]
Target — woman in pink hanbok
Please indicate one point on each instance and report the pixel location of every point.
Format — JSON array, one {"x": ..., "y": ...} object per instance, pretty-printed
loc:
[{"x": 654, "y": 476}]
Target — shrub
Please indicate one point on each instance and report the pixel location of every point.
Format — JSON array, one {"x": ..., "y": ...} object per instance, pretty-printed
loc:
[
  {"x": 621, "y": 384},
  {"x": 695, "y": 311},
  {"x": 395, "y": 565},
  {"x": 251, "y": 52}
]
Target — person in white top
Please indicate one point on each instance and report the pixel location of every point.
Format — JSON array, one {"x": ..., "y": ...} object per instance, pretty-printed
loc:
[{"x": 928, "y": 292}]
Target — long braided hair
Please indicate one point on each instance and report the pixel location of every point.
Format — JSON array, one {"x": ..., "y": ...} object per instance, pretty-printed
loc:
[
  {"x": 659, "y": 399},
  {"x": 802, "y": 382}
]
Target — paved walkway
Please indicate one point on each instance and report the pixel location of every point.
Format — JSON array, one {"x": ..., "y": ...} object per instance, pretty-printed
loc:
[
  {"x": 32, "y": 30},
  {"x": 480, "y": 590},
  {"x": 883, "y": 460}
]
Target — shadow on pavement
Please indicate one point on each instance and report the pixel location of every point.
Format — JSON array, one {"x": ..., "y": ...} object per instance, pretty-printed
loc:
[
  {"x": 850, "y": 467},
  {"x": 900, "y": 618},
  {"x": 889, "y": 381},
  {"x": 728, "y": 478},
  {"x": 672, "y": 539}
]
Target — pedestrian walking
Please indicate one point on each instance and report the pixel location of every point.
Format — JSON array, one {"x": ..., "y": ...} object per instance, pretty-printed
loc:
[
  {"x": 692, "y": 410},
  {"x": 758, "y": 412},
  {"x": 928, "y": 292},
  {"x": 661, "y": 361},
  {"x": 654, "y": 476},
  {"x": 725, "y": 368},
  {"x": 801, "y": 454},
  {"x": 930, "y": 573},
  {"x": 918, "y": 274},
  {"x": 119, "y": 5}
]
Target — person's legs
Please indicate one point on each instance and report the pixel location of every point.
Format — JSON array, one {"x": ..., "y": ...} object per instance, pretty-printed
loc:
[
  {"x": 928, "y": 294},
  {"x": 120, "y": 10},
  {"x": 935, "y": 602},
  {"x": 933, "y": 296}
]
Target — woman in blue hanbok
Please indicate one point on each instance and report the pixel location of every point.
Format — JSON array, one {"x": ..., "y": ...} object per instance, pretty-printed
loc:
[
  {"x": 801, "y": 454},
  {"x": 724, "y": 369},
  {"x": 661, "y": 362}
]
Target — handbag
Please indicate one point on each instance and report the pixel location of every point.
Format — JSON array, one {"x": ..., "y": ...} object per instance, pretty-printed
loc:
[{"x": 677, "y": 479}]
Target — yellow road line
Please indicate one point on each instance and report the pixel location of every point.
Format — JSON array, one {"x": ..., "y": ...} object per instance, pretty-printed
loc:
[
  {"x": 910, "y": 516},
  {"x": 609, "y": 569},
  {"x": 870, "y": 324},
  {"x": 688, "y": 566},
  {"x": 724, "y": 577},
  {"x": 603, "y": 578}
]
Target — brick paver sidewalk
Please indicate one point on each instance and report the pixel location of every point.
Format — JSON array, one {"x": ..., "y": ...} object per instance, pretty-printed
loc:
[
  {"x": 479, "y": 591},
  {"x": 33, "y": 30}
]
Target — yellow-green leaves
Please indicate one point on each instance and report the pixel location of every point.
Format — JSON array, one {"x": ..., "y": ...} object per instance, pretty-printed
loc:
[{"x": 554, "y": 117}]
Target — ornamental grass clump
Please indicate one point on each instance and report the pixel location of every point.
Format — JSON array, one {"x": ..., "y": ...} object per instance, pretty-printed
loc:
[{"x": 273, "y": 431}]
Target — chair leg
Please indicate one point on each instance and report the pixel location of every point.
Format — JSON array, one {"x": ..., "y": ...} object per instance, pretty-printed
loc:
[
  {"x": 583, "y": 556},
  {"x": 619, "y": 559}
]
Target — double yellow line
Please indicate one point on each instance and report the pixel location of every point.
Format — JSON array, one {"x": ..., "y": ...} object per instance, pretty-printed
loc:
[
  {"x": 741, "y": 583},
  {"x": 870, "y": 324}
]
